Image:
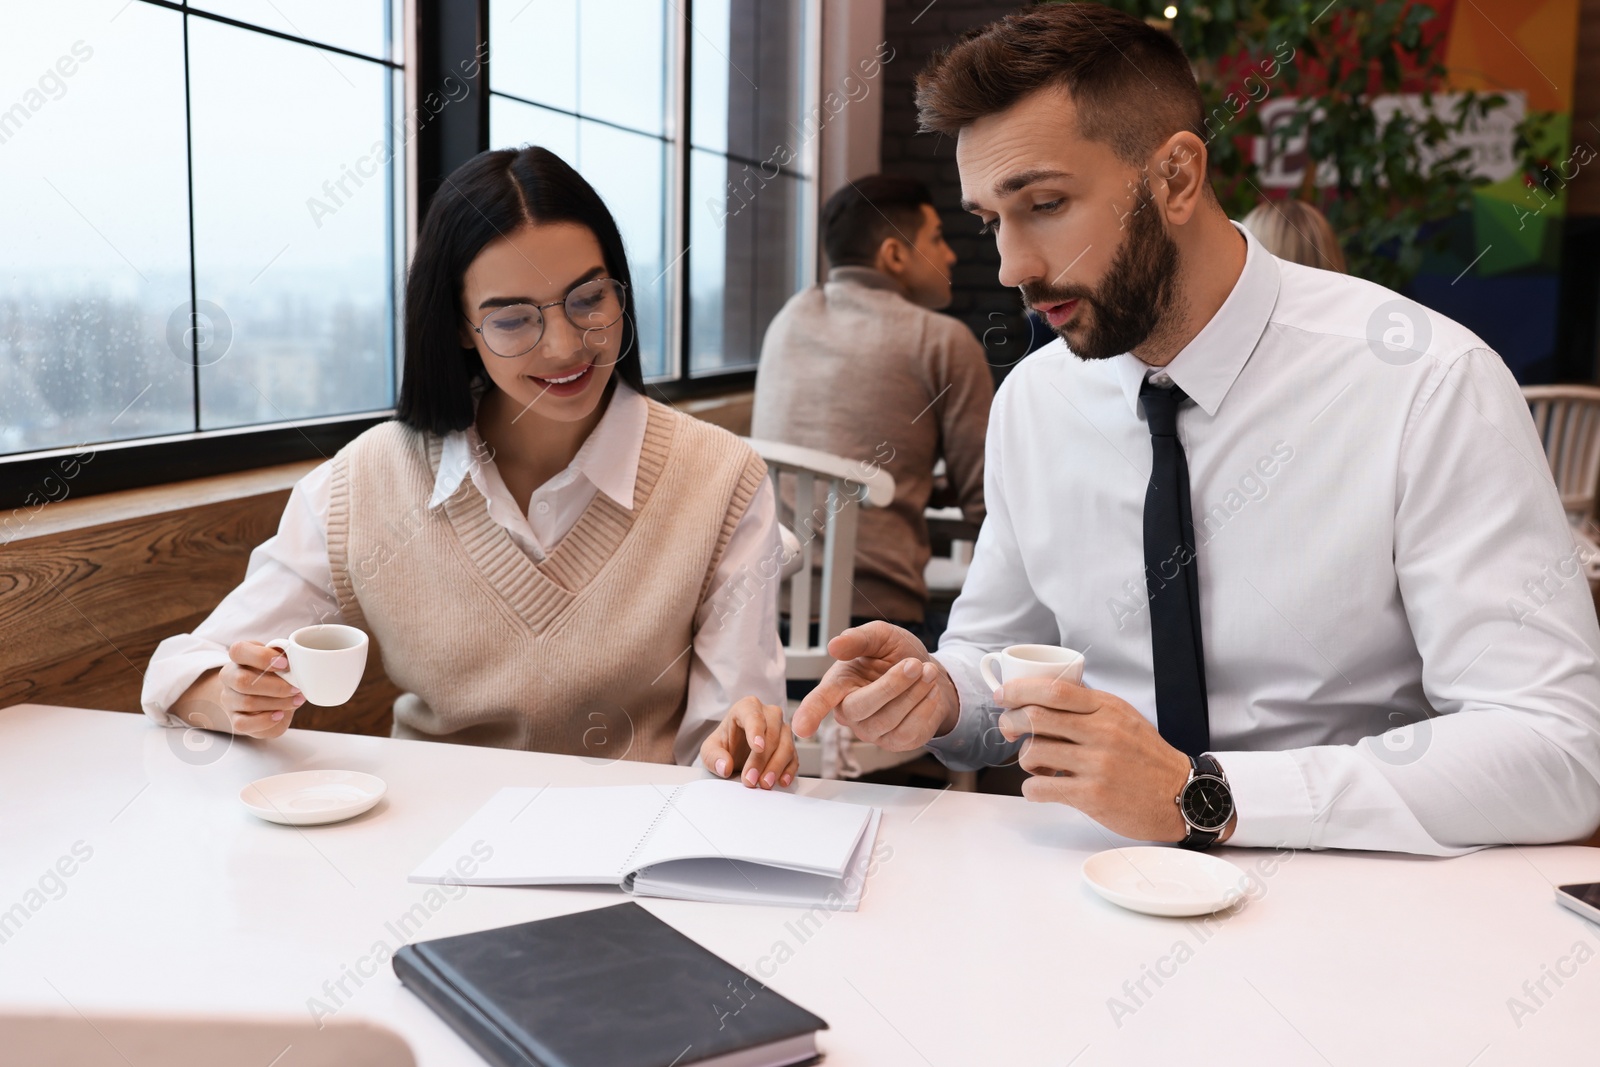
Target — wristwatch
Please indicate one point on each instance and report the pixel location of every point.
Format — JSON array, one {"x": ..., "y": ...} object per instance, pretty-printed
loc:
[{"x": 1205, "y": 802}]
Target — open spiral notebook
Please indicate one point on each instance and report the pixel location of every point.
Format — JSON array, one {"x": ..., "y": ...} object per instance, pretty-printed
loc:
[{"x": 705, "y": 840}]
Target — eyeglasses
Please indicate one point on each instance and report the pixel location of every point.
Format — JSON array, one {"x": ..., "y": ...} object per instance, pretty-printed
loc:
[{"x": 516, "y": 329}]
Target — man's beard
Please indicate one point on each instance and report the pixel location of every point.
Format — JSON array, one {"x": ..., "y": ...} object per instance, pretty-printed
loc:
[{"x": 1132, "y": 300}]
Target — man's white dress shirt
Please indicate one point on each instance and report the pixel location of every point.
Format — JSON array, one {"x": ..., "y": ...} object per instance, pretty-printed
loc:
[
  {"x": 1400, "y": 649},
  {"x": 288, "y": 583}
]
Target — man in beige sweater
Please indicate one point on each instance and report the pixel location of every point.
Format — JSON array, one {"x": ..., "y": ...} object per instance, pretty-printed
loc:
[{"x": 865, "y": 367}]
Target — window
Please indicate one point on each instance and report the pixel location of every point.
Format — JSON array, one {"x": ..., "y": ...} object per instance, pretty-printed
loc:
[
  {"x": 203, "y": 233},
  {"x": 688, "y": 124},
  {"x": 207, "y": 202}
]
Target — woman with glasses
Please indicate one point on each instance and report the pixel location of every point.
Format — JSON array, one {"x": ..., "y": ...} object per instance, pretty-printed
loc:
[{"x": 546, "y": 558}]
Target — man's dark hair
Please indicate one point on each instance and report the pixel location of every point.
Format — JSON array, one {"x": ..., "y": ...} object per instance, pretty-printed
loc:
[
  {"x": 1130, "y": 82},
  {"x": 488, "y": 197},
  {"x": 858, "y": 217}
]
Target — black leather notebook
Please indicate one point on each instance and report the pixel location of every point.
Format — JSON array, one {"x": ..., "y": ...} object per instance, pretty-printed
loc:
[{"x": 612, "y": 987}]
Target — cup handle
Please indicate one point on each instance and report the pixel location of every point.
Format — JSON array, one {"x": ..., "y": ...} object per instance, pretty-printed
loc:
[
  {"x": 282, "y": 645},
  {"x": 984, "y": 664}
]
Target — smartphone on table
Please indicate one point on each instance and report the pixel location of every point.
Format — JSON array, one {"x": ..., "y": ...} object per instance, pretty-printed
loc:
[{"x": 1581, "y": 897}]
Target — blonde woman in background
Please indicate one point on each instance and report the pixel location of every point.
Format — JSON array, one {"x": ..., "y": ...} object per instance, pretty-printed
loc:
[{"x": 1296, "y": 231}]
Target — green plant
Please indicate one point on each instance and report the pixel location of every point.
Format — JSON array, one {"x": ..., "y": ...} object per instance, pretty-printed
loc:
[{"x": 1391, "y": 178}]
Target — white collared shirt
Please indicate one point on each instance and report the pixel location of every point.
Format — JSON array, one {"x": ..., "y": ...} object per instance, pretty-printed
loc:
[
  {"x": 1380, "y": 546},
  {"x": 607, "y": 462},
  {"x": 289, "y": 583}
]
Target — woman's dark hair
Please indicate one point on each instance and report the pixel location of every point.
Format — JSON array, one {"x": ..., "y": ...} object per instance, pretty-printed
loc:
[{"x": 488, "y": 197}]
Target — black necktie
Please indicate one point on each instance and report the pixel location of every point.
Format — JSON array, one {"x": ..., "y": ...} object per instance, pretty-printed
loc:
[{"x": 1172, "y": 578}]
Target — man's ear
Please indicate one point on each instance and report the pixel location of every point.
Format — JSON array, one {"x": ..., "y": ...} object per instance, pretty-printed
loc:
[
  {"x": 891, "y": 257},
  {"x": 1180, "y": 165}
]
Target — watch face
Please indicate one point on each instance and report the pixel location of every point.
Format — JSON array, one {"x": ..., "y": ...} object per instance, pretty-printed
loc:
[{"x": 1207, "y": 803}]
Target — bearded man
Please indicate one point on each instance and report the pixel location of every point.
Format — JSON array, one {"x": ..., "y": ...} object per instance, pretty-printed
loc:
[{"x": 1301, "y": 528}]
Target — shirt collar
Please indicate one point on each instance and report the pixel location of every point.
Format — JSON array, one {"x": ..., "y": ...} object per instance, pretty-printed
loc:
[
  {"x": 608, "y": 457},
  {"x": 1207, "y": 366},
  {"x": 869, "y": 277}
]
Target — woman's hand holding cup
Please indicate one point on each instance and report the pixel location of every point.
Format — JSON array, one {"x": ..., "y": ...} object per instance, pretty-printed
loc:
[
  {"x": 261, "y": 685},
  {"x": 258, "y": 701},
  {"x": 754, "y": 742}
]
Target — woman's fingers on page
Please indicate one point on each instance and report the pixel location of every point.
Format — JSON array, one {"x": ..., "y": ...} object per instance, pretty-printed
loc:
[
  {"x": 714, "y": 752},
  {"x": 783, "y": 763},
  {"x": 754, "y": 720},
  {"x": 724, "y": 749},
  {"x": 778, "y": 748},
  {"x": 746, "y": 737}
]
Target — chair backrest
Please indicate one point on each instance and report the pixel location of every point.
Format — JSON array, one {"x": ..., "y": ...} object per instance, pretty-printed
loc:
[
  {"x": 828, "y": 490},
  {"x": 1567, "y": 418}
]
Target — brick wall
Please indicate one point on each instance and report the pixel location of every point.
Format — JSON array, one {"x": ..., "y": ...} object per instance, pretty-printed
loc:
[{"x": 915, "y": 29}]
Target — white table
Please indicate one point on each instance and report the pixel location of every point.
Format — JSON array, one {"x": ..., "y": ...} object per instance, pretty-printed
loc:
[{"x": 977, "y": 942}]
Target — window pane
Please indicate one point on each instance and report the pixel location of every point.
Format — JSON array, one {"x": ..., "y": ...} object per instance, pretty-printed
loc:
[
  {"x": 606, "y": 59},
  {"x": 357, "y": 25},
  {"x": 747, "y": 79},
  {"x": 513, "y": 124},
  {"x": 628, "y": 170},
  {"x": 709, "y": 75},
  {"x": 533, "y": 51},
  {"x": 622, "y": 65},
  {"x": 291, "y": 228},
  {"x": 744, "y": 258},
  {"x": 94, "y": 263}
]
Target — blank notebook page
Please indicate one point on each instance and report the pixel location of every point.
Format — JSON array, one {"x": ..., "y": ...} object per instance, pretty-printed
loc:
[
  {"x": 729, "y": 821},
  {"x": 552, "y": 835},
  {"x": 734, "y": 882}
]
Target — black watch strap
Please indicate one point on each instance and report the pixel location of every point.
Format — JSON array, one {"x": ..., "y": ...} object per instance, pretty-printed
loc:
[{"x": 1201, "y": 839}]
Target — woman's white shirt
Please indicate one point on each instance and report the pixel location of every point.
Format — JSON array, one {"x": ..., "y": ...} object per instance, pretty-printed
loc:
[{"x": 289, "y": 583}]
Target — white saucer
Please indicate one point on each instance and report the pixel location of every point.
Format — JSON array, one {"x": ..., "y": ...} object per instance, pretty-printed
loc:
[
  {"x": 1164, "y": 881},
  {"x": 309, "y": 798}
]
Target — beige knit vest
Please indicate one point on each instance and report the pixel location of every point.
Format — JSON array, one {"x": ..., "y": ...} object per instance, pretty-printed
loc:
[{"x": 585, "y": 653}]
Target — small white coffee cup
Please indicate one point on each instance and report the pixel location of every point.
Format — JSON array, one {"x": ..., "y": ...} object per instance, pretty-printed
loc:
[
  {"x": 1032, "y": 661},
  {"x": 326, "y": 661}
]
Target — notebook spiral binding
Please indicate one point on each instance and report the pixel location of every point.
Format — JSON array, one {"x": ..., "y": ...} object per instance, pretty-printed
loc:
[{"x": 627, "y": 864}]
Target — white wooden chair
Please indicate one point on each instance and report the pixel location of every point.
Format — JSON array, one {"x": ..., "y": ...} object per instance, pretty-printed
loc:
[
  {"x": 1567, "y": 418},
  {"x": 829, "y": 490},
  {"x": 946, "y": 575}
]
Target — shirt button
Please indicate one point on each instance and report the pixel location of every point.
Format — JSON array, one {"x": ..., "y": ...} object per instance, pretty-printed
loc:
[
  {"x": 543, "y": 508},
  {"x": 1162, "y": 380}
]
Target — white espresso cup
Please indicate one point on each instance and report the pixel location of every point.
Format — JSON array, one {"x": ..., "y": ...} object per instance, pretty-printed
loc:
[
  {"x": 1032, "y": 661},
  {"x": 326, "y": 661}
]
